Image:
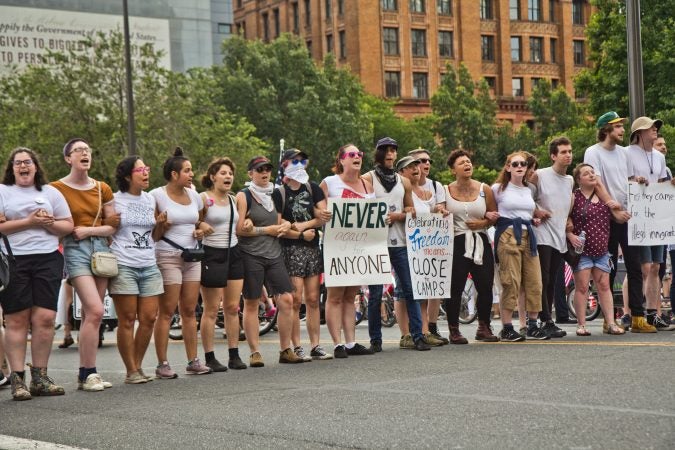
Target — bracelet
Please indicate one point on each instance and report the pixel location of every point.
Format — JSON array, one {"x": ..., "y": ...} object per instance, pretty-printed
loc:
[{"x": 259, "y": 231}]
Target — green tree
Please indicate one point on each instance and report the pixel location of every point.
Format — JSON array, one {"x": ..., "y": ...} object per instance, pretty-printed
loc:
[{"x": 554, "y": 111}]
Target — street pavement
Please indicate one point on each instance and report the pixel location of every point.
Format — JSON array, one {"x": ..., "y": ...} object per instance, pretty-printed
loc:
[{"x": 593, "y": 392}]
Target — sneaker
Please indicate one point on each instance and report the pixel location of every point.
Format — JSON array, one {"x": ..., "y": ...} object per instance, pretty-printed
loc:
[
  {"x": 566, "y": 321},
  {"x": 537, "y": 333},
  {"x": 319, "y": 353},
  {"x": 421, "y": 345},
  {"x": 659, "y": 323},
  {"x": 196, "y": 367},
  {"x": 256, "y": 360},
  {"x": 523, "y": 332},
  {"x": 432, "y": 341},
  {"x": 93, "y": 383},
  {"x": 510, "y": 335},
  {"x": 438, "y": 336},
  {"x": 41, "y": 384},
  {"x": 106, "y": 384},
  {"x": 626, "y": 322},
  {"x": 4, "y": 381},
  {"x": 271, "y": 312},
  {"x": 19, "y": 390},
  {"x": 288, "y": 356},
  {"x": 406, "y": 342},
  {"x": 236, "y": 363},
  {"x": 640, "y": 325},
  {"x": 165, "y": 372},
  {"x": 147, "y": 377},
  {"x": 67, "y": 342},
  {"x": 359, "y": 349},
  {"x": 135, "y": 378},
  {"x": 376, "y": 346},
  {"x": 300, "y": 353},
  {"x": 552, "y": 330},
  {"x": 340, "y": 352},
  {"x": 216, "y": 366}
]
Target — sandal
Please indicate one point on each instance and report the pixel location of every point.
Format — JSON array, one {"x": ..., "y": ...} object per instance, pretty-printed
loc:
[
  {"x": 582, "y": 331},
  {"x": 615, "y": 329},
  {"x": 67, "y": 342}
]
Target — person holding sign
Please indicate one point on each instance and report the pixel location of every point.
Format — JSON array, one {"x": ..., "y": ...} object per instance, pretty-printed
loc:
[
  {"x": 516, "y": 248},
  {"x": 340, "y": 311},
  {"x": 474, "y": 210},
  {"x": 646, "y": 165},
  {"x": 398, "y": 192}
]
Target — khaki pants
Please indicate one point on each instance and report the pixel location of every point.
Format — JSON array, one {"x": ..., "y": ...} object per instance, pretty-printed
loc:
[{"x": 518, "y": 268}]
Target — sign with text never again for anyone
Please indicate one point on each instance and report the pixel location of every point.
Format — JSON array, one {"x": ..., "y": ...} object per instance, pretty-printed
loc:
[
  {"x": 430, "y": 240},
  {"x": 355, "y": 243},
  {"x": 652, "y": 210}
]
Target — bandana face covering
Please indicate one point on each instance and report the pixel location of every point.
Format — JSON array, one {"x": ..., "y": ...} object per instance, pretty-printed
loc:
[
  {"x": 297, "y": 173},
  {"x": 386, "y": 176},
  {"x": 264, "y": 194}
]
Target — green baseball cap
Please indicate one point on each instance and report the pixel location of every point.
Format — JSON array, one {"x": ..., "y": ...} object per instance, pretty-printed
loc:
[{"x": 608, "y": 117}]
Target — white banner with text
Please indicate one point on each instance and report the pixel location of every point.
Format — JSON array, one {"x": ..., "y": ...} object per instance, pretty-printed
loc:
[{"x": 652, "y": 210}]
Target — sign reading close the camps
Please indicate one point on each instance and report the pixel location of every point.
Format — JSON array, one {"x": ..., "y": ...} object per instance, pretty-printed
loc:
[
  {"x": 430, "y": 240},
  {"x": 652, "y": 217},
  {"x": 355, "y": 243}
]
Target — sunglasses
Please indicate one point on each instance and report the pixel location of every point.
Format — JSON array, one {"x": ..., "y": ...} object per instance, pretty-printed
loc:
[
  {"x": 426, "y": 160},
  {"x": 22, "y": 162},
  {"x": 351, "y": 155},
  {"x": 145, "y": 169},
  {"x": 295, "y": 162},
  {"x": 263, "y": 169},
  {"x": 518, "y": 163}
]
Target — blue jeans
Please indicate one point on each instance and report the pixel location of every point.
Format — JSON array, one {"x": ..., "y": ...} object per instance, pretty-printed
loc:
[{"x": 399, "y": 261}]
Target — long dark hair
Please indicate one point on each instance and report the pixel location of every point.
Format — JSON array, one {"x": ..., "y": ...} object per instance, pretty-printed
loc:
[
  {"x": 174, "y": 163},
  {"x": 123, "y": 171},
  {"x": 213, "y": 169},
  {"x": 40, "y": 177}
]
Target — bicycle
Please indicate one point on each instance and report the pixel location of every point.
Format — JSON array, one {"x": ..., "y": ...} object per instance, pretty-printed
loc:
[
  {"x": 386, "y": 308},
  {"x": 467, "y": 308}
]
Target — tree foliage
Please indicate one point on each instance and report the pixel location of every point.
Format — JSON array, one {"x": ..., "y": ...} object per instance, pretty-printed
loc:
[{"x": 554, "y": 111}]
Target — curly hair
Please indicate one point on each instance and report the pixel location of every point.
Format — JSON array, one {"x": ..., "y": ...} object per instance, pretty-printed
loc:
[
  {"x": 40, "y": 178},
  {"x": 455, "y": 154},
  {"x": 213, "y": 169}
]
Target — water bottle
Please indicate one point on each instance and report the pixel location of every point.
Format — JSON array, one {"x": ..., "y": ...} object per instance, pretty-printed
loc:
[{"x": 580, "y": 248}]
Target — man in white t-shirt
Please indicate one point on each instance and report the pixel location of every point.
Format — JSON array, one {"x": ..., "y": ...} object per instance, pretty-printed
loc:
[
  {"x": 610, "y": 160},
  {"x": 646, "y": 165}
]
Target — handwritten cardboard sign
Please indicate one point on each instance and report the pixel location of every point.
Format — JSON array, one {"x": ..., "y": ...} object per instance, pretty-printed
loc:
[
  {"x": 430, "y": 240},
  {"x": 653, "y": 214},
  {"x": 355, "y": 243}
]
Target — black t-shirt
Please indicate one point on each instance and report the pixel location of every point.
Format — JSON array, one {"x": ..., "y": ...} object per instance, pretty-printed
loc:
[{"x": 299, "y": 207}]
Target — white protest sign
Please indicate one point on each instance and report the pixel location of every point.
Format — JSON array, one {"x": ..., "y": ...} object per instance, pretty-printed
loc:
[
  {"x": 652, "y": 210},
  {"x": 430, "y": 240},
  {"x": 355, "y": 243}
]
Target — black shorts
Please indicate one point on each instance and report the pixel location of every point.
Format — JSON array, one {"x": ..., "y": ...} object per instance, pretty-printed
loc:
[
  {"x": 234, "y": 270},
  {"x": 270, "y": 271},
  {"x": 35, "y": 281}
]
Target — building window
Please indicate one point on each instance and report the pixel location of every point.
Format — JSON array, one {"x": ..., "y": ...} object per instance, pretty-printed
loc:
[
  {"x": 516, "y": 49},
  {"x": 517, "y": 87},
  {"x": 554, "y": 83},
  {"x": 486, "y": 11},
  {"x": 341, "y": 7},
  {"x": 419, "y": 43},
  {"x": 534, "y": 10},
  {"x": 514, "y": 9},
  {"x": 240, "y": 3},
  {"x": 390, "y": 39},
  {"x": 551, "y": 10},
  {"x": 309, "y": 47},
  {"x": 296, "y": 18},
  {"x": 536, "y": 49},
  {"x": 277, "y": 23},
  {"x": 417, "y": 6},
  {"x": 266, "y": 27},
  {"x": 329, "y": 43},
  {"x": 554, "y": 49},
  {"x": 579, "y": 57},
  {"x": 389, "y": 5},
  {"x": 308, "y": 13},
  {"x": 420, "y": 86},
  {"x": 224, "y": 28},
  {"x": 392, "y": 84},
  {"x": 535, "y": 82},
  {"x": 444, "y": 7},
  {"x": 578, "y": 12},
  {"x": 487, "y": 47},
  {"x": 491, "y": 82},
  {"x": 343, "y": 44},
  {"x": 445, "y": 44},
  {"x": 329, "y": 7}
]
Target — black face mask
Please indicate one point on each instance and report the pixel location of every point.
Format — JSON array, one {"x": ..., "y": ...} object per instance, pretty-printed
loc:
[{"x": 386, "y": 176}]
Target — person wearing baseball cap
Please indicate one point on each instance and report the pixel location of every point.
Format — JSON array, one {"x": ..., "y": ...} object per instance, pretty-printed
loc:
[
  {"x": 610, "y": 161},
  {"x": 646, "y": 165}
]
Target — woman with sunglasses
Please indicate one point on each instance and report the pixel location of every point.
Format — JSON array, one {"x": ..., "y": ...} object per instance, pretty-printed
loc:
[
  {"x": 259, "y": 230},
  {"x": 516, "y": 247},
  {"x": 178, "y": 213},
  {"x": 221, "y": 250},
  {"x": 35, "y": 216},
  {"x": 138, "y": 284},
  {"x": 340, "y": 311},
  {"x": 90, "y": 202}
]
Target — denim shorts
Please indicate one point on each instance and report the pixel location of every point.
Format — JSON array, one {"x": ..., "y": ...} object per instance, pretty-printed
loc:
[
  {"x": 140, "y": 281},
  {"x": 651, "y": 254},
  {"x": 588, "y": 262},
  {"x": 78, "y": 254}
]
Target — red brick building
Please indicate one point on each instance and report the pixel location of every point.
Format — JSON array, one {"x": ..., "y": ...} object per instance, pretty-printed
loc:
[{"x": 400, "y": 48}]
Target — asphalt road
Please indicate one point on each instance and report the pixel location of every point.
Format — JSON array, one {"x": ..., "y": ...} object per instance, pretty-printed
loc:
[{"x": 591, "y": 393}]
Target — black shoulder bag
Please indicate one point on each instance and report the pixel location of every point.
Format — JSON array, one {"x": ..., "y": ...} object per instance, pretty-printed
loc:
[
  {"x": 214, "y": 272},
  {"x": 6, "y": 265}
]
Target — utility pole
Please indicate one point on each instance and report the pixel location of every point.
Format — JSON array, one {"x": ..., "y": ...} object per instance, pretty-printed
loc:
[
  {"x": 636, "y": 99},
  {"x": 131, "y": 122}
]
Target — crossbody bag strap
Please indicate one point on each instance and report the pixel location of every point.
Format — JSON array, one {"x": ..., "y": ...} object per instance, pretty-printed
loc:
[
  {"x": 172, "y": 243},
  {"x": 229, "y": 236},
  {"x": 100, "y": 203},
  {"x": 583, "y": 211},
  {"x": 8, "y": 247}
]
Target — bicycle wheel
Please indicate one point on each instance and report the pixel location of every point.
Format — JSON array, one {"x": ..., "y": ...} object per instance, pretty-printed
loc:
[
  {"x": 266, "y": 323},
  {"x": 361, "y": 304},
  {"x": 175, "y": 328},
  {"x": 388, "y": 315},
  {"x": 467, "y": 309},
  {"x": 592, "y": 306}
]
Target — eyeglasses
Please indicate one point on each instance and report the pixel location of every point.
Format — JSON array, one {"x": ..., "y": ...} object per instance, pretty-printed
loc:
[
  {"x": 518, "y": 163},
  {"x": 144, "y": 169},
  {"x": 81, "y": 150},
  {"x": 351, "y": 155},
  {"x": 295, "y": 162},
  {"x": 22, "y": 162},
  {"x": 263, "y": 169},
  {"x": 426, "y": 160}
]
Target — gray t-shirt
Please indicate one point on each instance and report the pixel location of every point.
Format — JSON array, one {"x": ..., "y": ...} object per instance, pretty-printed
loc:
[
  {"x": 612, "y": 166},
  {"x": 554, "y": 194}
]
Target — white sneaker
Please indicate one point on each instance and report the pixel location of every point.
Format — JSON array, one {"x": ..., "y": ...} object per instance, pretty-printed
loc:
[
  {"x": 106, "y": 384},
  {"x": 93, "y": 383}
]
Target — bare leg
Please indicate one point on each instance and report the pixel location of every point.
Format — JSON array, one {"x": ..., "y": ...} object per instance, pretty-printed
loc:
[
  {"x": 147, "y": 315},
  {"x": 211, "y": 298},
  {"x": 581, "y": 279},
  {"x": 251, "y": 323},
  {"x": 285, "y": 319},
  {"x": 606, "y": 299},
  {"x": 90, "y": 291},
  {"x": 187, "y": 304},
  {"x": 349, "y": 313},
  {"x": 298, "y": 290},
  {"x": 126, "y": 308},
  {"x": 231, "y": 311},
  {"x": 312, "y": 310},
  {"x": 168, "y": 302},
  {"x": 16, "y": 337},
  {"x": 402, "y": 317}
]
